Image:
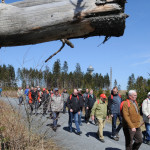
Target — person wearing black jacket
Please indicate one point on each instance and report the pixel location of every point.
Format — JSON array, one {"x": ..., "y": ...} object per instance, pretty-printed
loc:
[
  {"x": 45, "y": 101},
  {"x": 81, "y": 99},
  {"x": 73, "y": 104},
  {"x": 89, "y": 102}
]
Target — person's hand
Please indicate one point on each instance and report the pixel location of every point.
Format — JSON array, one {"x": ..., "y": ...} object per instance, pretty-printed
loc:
[
  {"x": 79, "y": 113},
  {"x": 92, "y": 117},
  {"x": 111, "y": 115},
  {"x": 71, "y": 110},
  {"x": 133, "y": 129},
  {"x": 87, "y": 107}
]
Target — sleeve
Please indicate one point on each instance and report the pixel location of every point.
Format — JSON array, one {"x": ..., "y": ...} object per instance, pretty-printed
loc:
[
  {"x": 69, "y": 103},
  {"x": 93, "y": 109},
  {"x": 126, "y": 116},
  {"x": 144, "y": 108},
  {"x": 109, "y": 106},
  {"x": 86, "y": 102}
]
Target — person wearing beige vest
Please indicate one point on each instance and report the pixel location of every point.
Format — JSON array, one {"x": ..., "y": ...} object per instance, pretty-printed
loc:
[{"x": 131, "y": 122}]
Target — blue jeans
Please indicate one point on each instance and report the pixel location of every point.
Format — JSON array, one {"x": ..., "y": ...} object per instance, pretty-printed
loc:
[
  {"x": 27, "y": 99},
  {"x": 55, "y": 118},
  {"x": 147, "y": 126},
  {"x": 79, "y": 118},
  {"x": 114, "y": 121},
  {"x": 75, "y": 117}
]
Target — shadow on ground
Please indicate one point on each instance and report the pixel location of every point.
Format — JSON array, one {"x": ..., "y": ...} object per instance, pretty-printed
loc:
[{"x": 110, "y": 148}]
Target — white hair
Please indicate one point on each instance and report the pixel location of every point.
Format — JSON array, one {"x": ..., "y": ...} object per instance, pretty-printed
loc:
[{"x": 131, "y": 92}]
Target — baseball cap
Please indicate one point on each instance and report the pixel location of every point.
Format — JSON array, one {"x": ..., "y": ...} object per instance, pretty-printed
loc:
[
  {"x": 103, "y": 96},
  {"x": 148, "y": 94},
  {"x": 79, "y": 89},
  {"x": 44, "y": 89}
]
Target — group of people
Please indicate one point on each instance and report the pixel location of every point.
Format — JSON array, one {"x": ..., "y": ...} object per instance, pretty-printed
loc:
[{"x": 127, "y": 111}]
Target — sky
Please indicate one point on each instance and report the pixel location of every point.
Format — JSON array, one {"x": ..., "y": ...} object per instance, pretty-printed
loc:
[{"x": 126, "y": 55}]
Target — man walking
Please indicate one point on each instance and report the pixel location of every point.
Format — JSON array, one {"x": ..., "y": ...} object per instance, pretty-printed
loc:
[
  {"x": 45, "y": 101},
  {"x": 146, "y": 117},
  {"x": 131, "y": 122},
  {"x": 73, "y": 104},
  {"x": 0, "y": 92},
  {"x": 81, "y": 106},
  {"x": 20, "y": 95},
  {"x": 89, "y": 102},
  {"x": 100, "y": 111},
  {"x": 26, "y": 93},
  {"x": 114, "y": 101},
  {"x": 56, "y": 106},
  {"x": 65, "y": 96}
]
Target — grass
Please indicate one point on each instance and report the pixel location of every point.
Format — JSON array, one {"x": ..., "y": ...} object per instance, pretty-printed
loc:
[{"x": 14, "y": 134}]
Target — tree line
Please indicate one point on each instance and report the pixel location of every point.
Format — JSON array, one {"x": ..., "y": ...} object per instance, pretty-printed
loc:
[{"x": 58, "y": 76}]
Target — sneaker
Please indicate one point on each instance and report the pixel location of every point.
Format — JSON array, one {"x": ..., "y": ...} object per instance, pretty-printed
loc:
[
  {"x": 79, "y": 133},
  {"x": 87, "y": 123},
  {"x": 102, "y": 140}
]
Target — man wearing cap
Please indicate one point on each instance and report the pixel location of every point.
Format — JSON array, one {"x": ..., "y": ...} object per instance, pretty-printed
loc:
[
  {"x": 99, "y": 111},
  {"x": 146, "y": 117},
  {"x": 56, "y": 106}
]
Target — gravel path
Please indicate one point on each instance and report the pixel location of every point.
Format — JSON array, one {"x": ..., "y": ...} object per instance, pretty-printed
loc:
[{"x": 87, "y": 141}]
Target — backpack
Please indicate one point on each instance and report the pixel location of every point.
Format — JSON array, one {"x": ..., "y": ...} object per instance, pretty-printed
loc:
[
  {"x": 121, "y": 105},
  {"x": 113, "y": 96},
  {"x": 71, "y": 97}
]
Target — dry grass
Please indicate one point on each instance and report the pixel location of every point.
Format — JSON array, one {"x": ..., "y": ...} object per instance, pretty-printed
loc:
[
  {"x": 9, "y": 93},
  {"x": 14, "y": 134}
]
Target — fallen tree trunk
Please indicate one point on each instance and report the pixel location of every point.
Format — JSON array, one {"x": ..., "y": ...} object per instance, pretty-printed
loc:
[{"x": 37, "y": 21}]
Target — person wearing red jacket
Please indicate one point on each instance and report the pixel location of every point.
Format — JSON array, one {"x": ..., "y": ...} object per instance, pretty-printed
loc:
[{"x": 34, "y": 98}]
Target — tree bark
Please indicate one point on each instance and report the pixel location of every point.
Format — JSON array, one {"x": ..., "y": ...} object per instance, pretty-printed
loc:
[{"x": 36, "y": 21}]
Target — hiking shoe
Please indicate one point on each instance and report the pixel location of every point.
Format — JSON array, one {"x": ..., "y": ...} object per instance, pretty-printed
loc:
[
  {"x": 117, "y": 135},
  {"x": 102, "y": 140},
  {"x": 79, "y": 133},
  {"x": 115, "y": 138},
  {"x": 87, "y": 123},
  {"x": 58, "y": 125},
  {"x": 148, "y": 143},
  {"x": 54, "y": 129}
]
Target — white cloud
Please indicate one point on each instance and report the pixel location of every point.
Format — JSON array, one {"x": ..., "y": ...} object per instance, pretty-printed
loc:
[{"x": 142, "y": 63}]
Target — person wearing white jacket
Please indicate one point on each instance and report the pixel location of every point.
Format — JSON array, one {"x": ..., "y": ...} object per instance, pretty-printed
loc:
[{"x": 146, "y": 117}]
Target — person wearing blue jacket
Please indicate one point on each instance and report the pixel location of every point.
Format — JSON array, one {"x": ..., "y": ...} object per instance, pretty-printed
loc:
[
  {"x": 0, "y": 92},
  {"x": 114, "y": 101},
  {"x": 26, "y": 93}
]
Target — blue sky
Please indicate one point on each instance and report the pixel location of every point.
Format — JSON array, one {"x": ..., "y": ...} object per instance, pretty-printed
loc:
[{"x": 126, "y": 55}]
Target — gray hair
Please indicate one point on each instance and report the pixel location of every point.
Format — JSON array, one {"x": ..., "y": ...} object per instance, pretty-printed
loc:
[{"x": 131, "y": 92}]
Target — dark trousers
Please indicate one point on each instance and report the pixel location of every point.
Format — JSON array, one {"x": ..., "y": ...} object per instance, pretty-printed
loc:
[
  {"x": 87, "y": 115},
  {"x": 31, "y": 107},
  {"x": 36, "y": 107},
  {"x": 65, "y": 105},
  {"x": 114, "y": 121},
  {"x": 45, "y": 105},
  {"x": 130, "y": 136}
]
